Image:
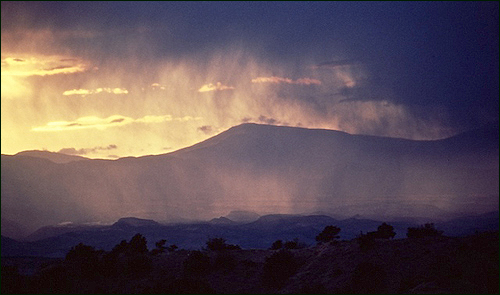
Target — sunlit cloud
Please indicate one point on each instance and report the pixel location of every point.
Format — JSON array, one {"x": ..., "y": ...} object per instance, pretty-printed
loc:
[
  {"x": 85, "y": 92},
  {"x": 111, "y": 121},
  {"x": 85, "y": 151},
  {"x": 156, "y": 86},
  {"x": 41, "y": 65},
  {"x": 279, "y": 80},
  {"x": 214, "y": 87}
]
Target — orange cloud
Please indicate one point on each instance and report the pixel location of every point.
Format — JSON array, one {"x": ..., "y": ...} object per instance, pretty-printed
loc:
[
  {"x": 103, "y": 123},
  {"x": 85, "y": 92},
  {"x": 41, "y": 65},
  {"x": 278, "y": 80},
  {"x": 217, "y": 87},
  {"x": 157, "y": 86}
]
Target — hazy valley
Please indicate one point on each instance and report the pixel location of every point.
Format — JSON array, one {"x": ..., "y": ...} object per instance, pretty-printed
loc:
[{"x": 262, "y": 169}]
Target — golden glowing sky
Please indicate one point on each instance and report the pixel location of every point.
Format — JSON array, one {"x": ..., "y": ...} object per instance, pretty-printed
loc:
[{"x": 106, "y": 91}]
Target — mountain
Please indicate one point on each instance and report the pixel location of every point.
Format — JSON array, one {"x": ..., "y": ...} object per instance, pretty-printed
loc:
[
  {"x": 13, "y": 229},
  {"x": 134, "y": 222},
  {"x": 263, "y": 169},
  {"x": 242, "y": 216},
  {"x": 54, "y": 157}
]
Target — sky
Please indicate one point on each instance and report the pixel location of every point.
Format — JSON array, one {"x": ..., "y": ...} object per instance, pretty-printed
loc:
[{"x": 114, "y": 79}]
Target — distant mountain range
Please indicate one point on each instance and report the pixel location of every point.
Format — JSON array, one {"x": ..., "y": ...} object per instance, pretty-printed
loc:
[
  {"x": 264, "y": 169},
  {"x": 56, "y": 241}
]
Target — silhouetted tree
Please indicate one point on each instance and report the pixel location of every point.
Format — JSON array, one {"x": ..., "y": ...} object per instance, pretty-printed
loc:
[
  {"x": 83, "y": 260},
  {"x": 160, "y": 247},
  {"x": 278, "y": 244},
  {"x": 219, "y": 244},
  {"x": 290, "y": 245},
  {"x": 233, "y": 247},
  {"x": 216, "y": 244},
  {"x": 121, "y": 248},
  {"x": 172, "y": 248},
  {"x": 385, "y": 231},
  {"x": 295, "y": 244},
  {"x": 329, "y": 233},
  {"x": 138, "y": 244},
  {"x": 426, "y": 230}
]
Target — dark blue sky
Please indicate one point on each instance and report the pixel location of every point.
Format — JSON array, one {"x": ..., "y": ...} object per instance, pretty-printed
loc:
[{"x": 437, "y": 59}]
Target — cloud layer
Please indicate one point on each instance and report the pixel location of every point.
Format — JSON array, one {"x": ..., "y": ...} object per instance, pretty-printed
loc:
[
  {"x": 85, "y": 92},
  {"x": 278, "y": 80},
  {"x": 103, "y": 123},
  {"x": 356, "y": 67}
]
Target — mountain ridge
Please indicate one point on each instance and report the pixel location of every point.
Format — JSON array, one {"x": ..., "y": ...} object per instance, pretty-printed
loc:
[{"x": 263, "y": 169}]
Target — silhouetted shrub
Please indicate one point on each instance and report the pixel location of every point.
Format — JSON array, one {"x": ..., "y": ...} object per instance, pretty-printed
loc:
[
  {"x": 138, "y": 244},
  {"x": 278, "y": 244},
  {"x": 329, "y": 233},
  {"x": 172, "y": 248},
  {"x": 385, "y": 231},
  {"x": 197, "y": 263},
  {"x": 83, "y": 260},
  {"x": 233, "y": 247},
  {"x": 160, "y": 247},
  {"x": 219, "y": 244},
  {"x": 120, "y": 248},
  {"x": 216, "y": 244},
  {"x": 295, "y": 244},
  {"x": 278, "y": 268},
  {"x": 369, "y": 278},
  {"x": 426, "y": 230},
  {"x": 290, "y": 245}
]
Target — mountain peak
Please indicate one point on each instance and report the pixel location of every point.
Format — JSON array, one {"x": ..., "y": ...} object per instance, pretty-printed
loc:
[{"x": 135, "y": 222}]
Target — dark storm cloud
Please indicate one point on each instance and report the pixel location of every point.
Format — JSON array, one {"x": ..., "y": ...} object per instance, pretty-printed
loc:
[
  {"x": 338, "y": 63},
  {"x": 266, "y": 120},
  {"x": 207, "y": 129}
]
